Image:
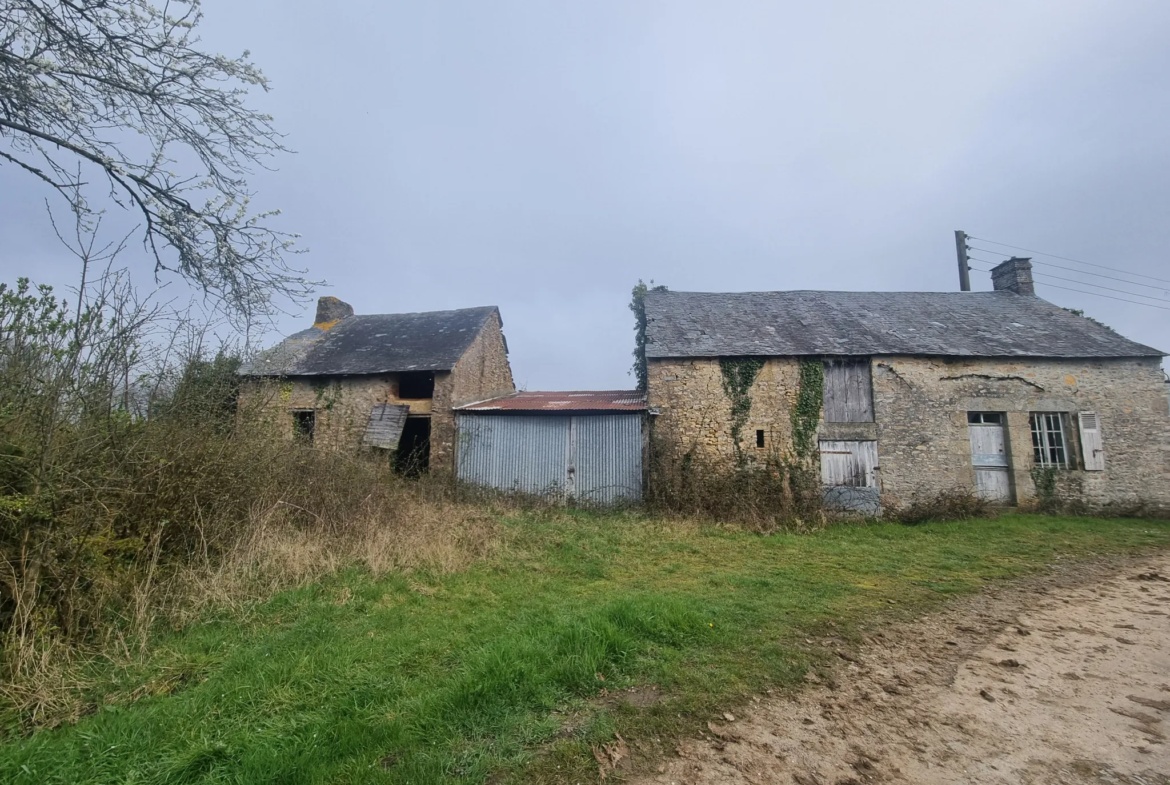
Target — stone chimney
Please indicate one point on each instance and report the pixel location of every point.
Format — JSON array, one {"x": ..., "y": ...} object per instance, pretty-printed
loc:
[
  {"x": 1014, "y": 275},
  {"x": 331, "y": 310}
]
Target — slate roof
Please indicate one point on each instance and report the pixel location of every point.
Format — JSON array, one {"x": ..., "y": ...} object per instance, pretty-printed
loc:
[
  {"x": 375, "y": 343},
  {"x": 965, "y": 324}
]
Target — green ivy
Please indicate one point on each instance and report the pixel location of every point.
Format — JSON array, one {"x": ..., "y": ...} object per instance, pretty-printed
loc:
[
  {"x": 739, "y": 374},
  {"x": 638, "y": 306},
  {"x": 1045, "y": 479},
  {"x": 806, "y": 414}
]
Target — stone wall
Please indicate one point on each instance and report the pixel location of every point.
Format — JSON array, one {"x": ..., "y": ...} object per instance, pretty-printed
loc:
[
  {"x": 920, "y": 408},
  {"x": 695, "y": 412},
  {"x": 482, "y": 372},
  {"x": 342, "y": 404},
  {"x": 921, "y": 405}
]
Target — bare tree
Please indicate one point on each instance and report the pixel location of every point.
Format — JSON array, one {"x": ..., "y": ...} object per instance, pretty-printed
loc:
[{"x": 118, "y": 89}]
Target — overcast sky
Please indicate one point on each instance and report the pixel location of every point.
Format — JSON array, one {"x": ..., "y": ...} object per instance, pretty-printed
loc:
[{"x": 543, "y": 157}]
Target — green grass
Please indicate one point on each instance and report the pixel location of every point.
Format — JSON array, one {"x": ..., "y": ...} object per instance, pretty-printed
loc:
[{"x": 495, "y": 670}]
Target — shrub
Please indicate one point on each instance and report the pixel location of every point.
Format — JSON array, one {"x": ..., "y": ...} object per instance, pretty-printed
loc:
[
  {"x": 767, "y": 496},
  {"x": 945, "y": 506}
]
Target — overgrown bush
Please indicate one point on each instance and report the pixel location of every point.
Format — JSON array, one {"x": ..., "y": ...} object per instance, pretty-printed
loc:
[
  {"x": 134, "y": 493},
  {"x": 944, "y": 506},
  {"x": 766, "y": 496}
]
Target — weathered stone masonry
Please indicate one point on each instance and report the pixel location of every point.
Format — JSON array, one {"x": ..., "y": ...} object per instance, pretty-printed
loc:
[
  {"x": 920, "y": 409},
  {"x": 342, "y": 403},
  {"x": 921, "y": 405}
]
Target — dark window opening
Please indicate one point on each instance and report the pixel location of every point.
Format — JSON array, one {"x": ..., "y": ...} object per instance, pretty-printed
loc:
[
  {"x": 416, "y": 384},
  {"x": 985, "y": 418},
  {"x": 1048, "y": 440},
  {"x": 413, "y": 455},
  {"x": 759, "y": 438},
  {"x": 304, "y": 423}
]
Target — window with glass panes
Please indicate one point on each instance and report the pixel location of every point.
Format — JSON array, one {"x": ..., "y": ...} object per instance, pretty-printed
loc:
[{"x": 1049, "y": 444}]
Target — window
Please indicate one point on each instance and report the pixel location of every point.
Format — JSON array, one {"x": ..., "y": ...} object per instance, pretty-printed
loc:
[
  {"x": 985, "y": 418},
  {"x": 304, "y": 421},
  {"x": 1048, "y": 440},
  {"x": 760, "y": 438},
  {"x": 416, "y": 384}
]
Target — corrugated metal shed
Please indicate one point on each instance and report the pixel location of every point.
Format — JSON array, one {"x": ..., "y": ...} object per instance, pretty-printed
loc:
[
  {"x": 375, "y": 343},
  {"x": 585, "y": 446},
  {"x": 962, "y": 324},
  {"x": 563, "y": 401},
  {"x": 384, "y": 428}
]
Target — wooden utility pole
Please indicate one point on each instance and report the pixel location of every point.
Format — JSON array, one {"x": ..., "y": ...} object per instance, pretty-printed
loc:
[{"x": 964, "y": 270}]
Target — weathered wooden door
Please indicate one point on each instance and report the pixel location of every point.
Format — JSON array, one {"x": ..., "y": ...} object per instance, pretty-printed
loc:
[{"x": 989, "y": 456}]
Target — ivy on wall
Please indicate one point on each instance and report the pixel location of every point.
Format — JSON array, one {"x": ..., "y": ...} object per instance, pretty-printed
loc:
[
  {"x": 739, "y": 374},
  {"x": 638, "y": 306},
  {"x": 1045, "y": 479},
  {"x": 806, "y": 413}
]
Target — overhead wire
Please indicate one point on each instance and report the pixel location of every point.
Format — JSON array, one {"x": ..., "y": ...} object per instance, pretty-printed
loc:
[
  {"x": 1082, "y": 291},
  {"x": 1069, "y": 259},
  {"x": 1082, "y": 272},
  {"x": 1086, "y": 283}
]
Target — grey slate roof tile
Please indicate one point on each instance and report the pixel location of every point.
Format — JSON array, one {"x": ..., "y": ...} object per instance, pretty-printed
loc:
[
  {"x": 964, "y": 324},
  {"x": 375, "y": 343}
]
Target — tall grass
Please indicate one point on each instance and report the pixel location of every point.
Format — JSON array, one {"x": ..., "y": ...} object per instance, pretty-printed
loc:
[
  {"x": 134, "y": 493},
  {"x": 763, "y": 496}
]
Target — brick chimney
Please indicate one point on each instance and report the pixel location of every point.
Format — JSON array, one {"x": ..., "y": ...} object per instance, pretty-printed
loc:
[
  {"x": 331, "y": 310},
  {"x": 1014, "y": 275}
]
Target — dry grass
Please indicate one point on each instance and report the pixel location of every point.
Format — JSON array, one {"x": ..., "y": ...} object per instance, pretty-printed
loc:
[
  {"x": 439, "y": 536},
  {"x": 188, "y": 522}
]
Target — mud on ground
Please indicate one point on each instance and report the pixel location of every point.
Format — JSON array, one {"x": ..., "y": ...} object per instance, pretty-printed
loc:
[{"x": 1060, "y": 680}]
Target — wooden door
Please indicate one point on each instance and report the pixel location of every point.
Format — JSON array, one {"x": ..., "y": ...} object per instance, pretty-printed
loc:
[{"x": 989, "y": 456}]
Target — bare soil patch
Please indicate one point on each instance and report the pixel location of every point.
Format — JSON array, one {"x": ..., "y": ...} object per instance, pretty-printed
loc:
[{"x": 1065, "y": 679}]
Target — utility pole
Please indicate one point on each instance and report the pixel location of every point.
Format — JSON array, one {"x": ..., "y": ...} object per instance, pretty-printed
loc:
[{"x": 964, "y": 270}]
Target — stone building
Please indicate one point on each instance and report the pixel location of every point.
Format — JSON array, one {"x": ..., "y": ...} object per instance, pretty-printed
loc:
[
  {"x": 911, "y": 394},
  {"x": 380, "y": 381}
]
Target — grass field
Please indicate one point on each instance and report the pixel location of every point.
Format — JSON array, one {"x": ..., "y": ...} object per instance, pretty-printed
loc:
[{"x": 515, "y": 667}]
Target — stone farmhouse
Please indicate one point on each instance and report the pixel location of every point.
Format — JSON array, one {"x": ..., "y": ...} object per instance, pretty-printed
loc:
[
  {"x": 385, "y": 382},
  {"x": 999, "y": 393}
]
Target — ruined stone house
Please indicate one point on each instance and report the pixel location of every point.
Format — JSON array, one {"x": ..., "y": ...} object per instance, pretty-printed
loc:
[
  {"x": 385, "y": 382},
  {"x": 999, "y": 393}
]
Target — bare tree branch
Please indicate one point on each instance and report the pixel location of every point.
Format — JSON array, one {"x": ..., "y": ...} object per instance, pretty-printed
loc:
[{"x": 121, "y": 86}]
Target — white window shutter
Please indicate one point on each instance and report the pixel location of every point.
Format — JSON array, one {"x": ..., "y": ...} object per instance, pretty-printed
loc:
[{"x": 1091, "y": 447}]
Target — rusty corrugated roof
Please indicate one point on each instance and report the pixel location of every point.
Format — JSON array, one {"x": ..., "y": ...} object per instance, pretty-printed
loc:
[{"x": 563, "y": 401}]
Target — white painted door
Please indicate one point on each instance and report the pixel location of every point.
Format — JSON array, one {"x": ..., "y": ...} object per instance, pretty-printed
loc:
[{"x": 989, "y": 457}]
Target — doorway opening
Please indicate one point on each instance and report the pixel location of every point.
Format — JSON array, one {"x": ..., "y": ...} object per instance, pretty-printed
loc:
[{"x": 413, "y": 456}]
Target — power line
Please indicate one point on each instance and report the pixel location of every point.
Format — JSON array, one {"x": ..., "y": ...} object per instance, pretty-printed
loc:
[
  {"x": 1099, "y": 286},
  {"x": 1069, "y": 259},
  {"x": 1082, "y": 291},
  {"x": 1090, "y": 283},
  {"x": 1082, "y": 272},
  {"x": 1111, "y": 297}
]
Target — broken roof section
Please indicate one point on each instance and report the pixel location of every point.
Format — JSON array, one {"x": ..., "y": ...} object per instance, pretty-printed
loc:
[
  {"x": 964, "y": 324},
  {"x": 375, "y": 343},
  {"x": 563, "y": 401}
]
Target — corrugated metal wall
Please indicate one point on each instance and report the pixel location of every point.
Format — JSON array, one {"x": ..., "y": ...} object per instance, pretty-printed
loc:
[
  {"x": 594, "y": 458},
  {"x": 608, "y": 458},
  {"x": 526, "y": 454}
]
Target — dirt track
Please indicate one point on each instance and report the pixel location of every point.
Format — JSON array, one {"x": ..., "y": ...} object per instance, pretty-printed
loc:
[{"x": 1065, "y": 680}]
